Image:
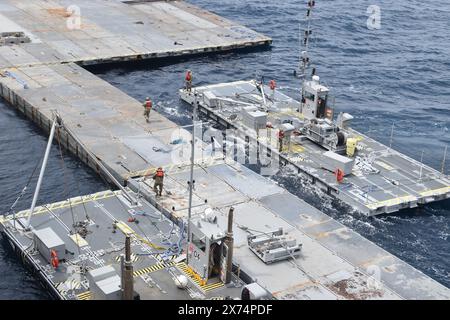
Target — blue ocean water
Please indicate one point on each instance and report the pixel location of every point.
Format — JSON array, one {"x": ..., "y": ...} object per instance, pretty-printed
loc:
[{"x": 397, "y": 74}]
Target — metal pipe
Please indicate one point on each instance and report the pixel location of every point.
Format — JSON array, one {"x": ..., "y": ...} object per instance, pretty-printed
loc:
[
  {"x": 230, "y": 221},
  {"x": 443, "y": 160},
  {"x": 41, "y": 174},
  {"x": 127, "y": 249},
  {"x": 421, "y": 166},
  {"x": 229, "y": 241},
  {"x": 127, "y": 272},
  {"x": 263, "y": 94}
]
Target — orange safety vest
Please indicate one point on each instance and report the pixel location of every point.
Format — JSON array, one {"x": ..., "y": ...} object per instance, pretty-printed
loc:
[
  {"x": 272, "y": 84},
  {"x": 148, "y": 104},
  {"x": 188, "y": 76},
  {"x": 160, "y": 173}
]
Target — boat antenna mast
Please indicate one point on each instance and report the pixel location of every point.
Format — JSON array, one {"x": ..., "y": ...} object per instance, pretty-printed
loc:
[{"x": 304, "y": 58}]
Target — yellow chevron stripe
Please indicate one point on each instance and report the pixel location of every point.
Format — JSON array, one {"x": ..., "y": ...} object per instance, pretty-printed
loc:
[
  {"x": 63, "y": 204},
  {"x": 153, "y": 268},
  {"x": 84, "y": 296},
  {"x": 196, "y": 278},
  {"x": 212, "y": 286}
]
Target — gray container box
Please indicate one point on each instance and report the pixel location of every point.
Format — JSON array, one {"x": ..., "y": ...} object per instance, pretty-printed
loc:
[
  {"x": 104, "y": 283},
  {"x": 333, "y": 161},
  {"x": 46, "y": 240},
  {"x": 255, "y": 119}
]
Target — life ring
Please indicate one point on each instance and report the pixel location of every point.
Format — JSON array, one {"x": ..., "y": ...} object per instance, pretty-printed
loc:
[
  {"x": 339, "y": 175},
  {"x": 54, "y": 259}
]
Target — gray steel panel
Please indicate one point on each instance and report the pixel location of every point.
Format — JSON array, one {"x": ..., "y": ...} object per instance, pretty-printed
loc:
[{"x": 249, "y": 183}]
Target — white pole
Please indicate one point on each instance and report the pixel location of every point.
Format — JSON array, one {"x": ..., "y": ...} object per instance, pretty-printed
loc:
[
  {"x": 41, "y": 174},
  {"x": 263, "y": 94},
  {"x": 421, "y": 166},
  {"x": 191, "y": 178},
  {"x": 443, "y": 160}
]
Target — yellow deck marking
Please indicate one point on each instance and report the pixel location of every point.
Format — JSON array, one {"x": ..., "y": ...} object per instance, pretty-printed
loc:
[
  {"x": 79, "y": 241},
  {"x": 435, "y": 192},
  {"x": 126, "y": 230},
  {"x": 200, "y": 282},
  {"x": 153, "y": 268},
  {"x": 391, "y": 202},
  {"x": 63, "y": 204},
  {"x": 134, "y": 258},
  {"x": 296, "y": 148},
  {"x": 84, "y": 295},
  {"x": 384, "y": 165}
]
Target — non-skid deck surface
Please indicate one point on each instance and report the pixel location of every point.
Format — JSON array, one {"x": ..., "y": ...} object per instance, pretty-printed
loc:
[
  {"x": 153, "y": 265},
  {"x": 336, "y": 262},
  {"x": 391, "y": 181}
]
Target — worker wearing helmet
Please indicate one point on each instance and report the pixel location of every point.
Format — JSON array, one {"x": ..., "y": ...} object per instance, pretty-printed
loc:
[
  {"x": 147, "y": 108},
  {"x": 159, "y": 180},
  {"x": 188, "y": 80}
]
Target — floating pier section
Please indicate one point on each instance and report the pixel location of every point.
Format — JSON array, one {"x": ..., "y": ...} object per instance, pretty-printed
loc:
[
  {"x": 382, "y": 180},
  {"x": 103, "y": 125}
]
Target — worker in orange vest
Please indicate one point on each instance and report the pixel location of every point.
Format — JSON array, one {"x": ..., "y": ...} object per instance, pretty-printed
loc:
[
  {"x": 147, "y": 108},
  {"x": 272, "y": 86},
  {"x": 280, "y": 139},
  {"x": 188, "y": 80},
  {"x": 159, "y": 180}
]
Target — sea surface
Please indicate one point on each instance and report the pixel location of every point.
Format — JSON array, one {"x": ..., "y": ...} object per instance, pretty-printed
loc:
[{"x": 398, "y": 73}]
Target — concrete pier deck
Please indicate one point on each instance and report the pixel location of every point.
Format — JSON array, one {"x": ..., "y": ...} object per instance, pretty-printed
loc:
[
  {"x": 111, "y": 126},
  {"x": 93, "y": 32},
  {"x": 108, "y": 126}
]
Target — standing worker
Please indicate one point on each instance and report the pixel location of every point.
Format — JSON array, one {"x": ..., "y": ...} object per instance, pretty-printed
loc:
[
  {"x": 188, "y": 80},
  {"x": 272, "y": 86},
  {"x": 280, "y": 139},
  {"x": 159, "y": 180},
  {"x": 147, "y": 108}
]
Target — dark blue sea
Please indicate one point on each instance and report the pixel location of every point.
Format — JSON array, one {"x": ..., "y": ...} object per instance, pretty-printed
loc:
[{"x": 399, "y": 73}]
